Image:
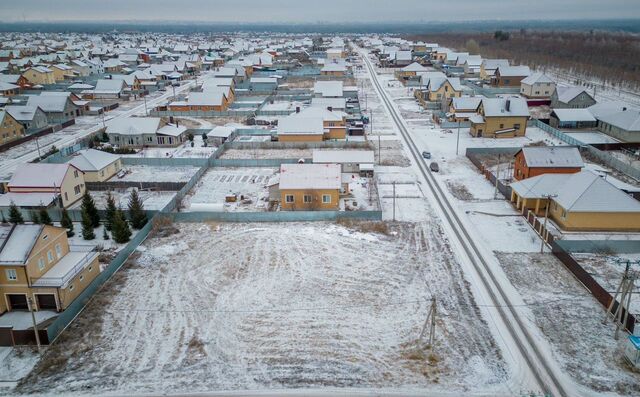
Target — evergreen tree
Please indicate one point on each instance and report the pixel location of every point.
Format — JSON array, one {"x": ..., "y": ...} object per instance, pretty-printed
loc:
[
  {"x": 121, "y": 232},
  {"x": 87, "y": 226},
  {"x": 34, "y": 217},
  {"x": 45, "y": 219},
  {"x": 105, "y": 234},
  {"x": 89, "y": 206},
  {"x": 15, "y": 216},
  {"x": 136, "y": 211},
  {"x": 111, "y": 211},
  {"x": 65, "y": 221}
]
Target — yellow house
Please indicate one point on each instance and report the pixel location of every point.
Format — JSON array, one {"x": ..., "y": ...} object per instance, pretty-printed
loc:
[
  {"x": 581, "y": 201},
  {"x": 63, "y": 180},
  {"x": 409, "y": 71},
  {"x": 436, "y": 86},
  {"x": 300, "y": 129},
  {"x": 37, "y": 263},
  {"x": 39, "y": 75},
  {"x": 500, "y": 118},
  {"x": 334, "y": 122},
  {"x": 97, "y": 166},
  {"x": 62, "y": 72},
  {"x": 10, "y": 129},
  {"x": 309, "y": 187}
]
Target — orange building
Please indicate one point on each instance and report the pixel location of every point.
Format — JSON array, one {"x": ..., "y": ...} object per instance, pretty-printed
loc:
[{"x": 537, "y": 160}]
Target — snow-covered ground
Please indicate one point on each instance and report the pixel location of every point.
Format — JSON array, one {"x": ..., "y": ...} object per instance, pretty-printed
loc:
[
  {"x": 217, "y": 183},
  {"x": 571, "y": 319},
  {"x": 146, "y": 173},
  {"x": 271, "y": 306},
  {"x": 152, "y": 200},
  {"x": 182, "y": 151}
]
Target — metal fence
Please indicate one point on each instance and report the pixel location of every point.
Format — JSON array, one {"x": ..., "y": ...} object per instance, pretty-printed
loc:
[
  {"x": 275, "y": 216},
  {"x": 165, "y": 161},
  {"x": 115, "y": 185},
  {"x": 253, "y": 162}
]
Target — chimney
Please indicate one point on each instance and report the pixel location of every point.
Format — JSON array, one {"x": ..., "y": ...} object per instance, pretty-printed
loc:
[
  {"x": 329, "y": 108},
  {"x": 170, "y": 119},
  {"x": 507, "y": 105},
  {"x": 297, "y": 109}
]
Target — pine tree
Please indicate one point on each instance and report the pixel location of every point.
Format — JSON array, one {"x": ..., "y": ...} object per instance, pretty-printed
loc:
[
  {"x": 15, "y": 216},
  {"x": 110, "y": 212},
  {"x": 87, "y": 226},
  {"x": 136, "y": 211},
  {"x": 34, "y": 217},
  {"x": 65, "y": 221},
  {"x": 45, "y": 219},
  {"x": 105, "y": 234},
  {"x": 121, "y": 232},
  {"x": 89, "y": 206}
]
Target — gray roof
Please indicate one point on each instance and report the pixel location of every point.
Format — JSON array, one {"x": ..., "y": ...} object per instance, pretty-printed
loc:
[
  {"x": 567, "y": 93},
  {"x": 580, "y": 192},
  {"x": 552, "y": 156},
  {"x": 537, "y": 78},
  {"x": 574, "y": 115},
  {"x": 628, "y": 120},
  {"x": 494, "y": 107},
  {"x": 514, "y": 71},
  {"x": 92, "y": 160},
  {"x": 17, "y": 242}
]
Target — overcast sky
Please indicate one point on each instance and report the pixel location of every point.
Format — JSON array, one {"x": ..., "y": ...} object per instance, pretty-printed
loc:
[{"x": 314, "y": 10}]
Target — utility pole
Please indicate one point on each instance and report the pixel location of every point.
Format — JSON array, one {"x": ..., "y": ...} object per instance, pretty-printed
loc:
[
  {"x": 625, "y": 291},
  {"x": 38, "y": 146},
  {"x": 543, "y": 232},
  {"x": 35, "y": 325},
  {"x": 458, "y": 138},
  {"x": 394, "y": 201},
  {"x": 430, "y": 322},
  {"x": 146, "y": 112},
  {"x": 495, "y": 192}
]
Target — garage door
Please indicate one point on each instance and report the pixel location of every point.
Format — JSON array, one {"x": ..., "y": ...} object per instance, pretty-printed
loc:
[
  {"x": 46, "y": 302},
  {"x": 18, "y": 302}
]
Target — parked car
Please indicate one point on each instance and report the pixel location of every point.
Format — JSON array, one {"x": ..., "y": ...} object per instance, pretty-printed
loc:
[
  {"x": 426, "y": 155},
  {"x": 434, "y": 167}
]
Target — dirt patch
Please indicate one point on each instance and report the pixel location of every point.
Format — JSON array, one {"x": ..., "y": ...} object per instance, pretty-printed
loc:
[{"x": 459, "y": 191}]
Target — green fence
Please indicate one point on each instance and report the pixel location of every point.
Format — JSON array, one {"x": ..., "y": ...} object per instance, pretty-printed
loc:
[
  {"x": 69, "y": 314},
  {"x": 166, "y": 161},
  {"x": 275, "y": 216},
  {"x": 610, "y": 247}
]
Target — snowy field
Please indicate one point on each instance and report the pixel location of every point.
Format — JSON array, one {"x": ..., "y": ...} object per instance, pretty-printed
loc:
[
  {"x": 219, "y": 182},
  {"x": 267, "y": 154},
  {"x": 146, "y": 173},
  {"x": 321, "y": 305},
  {"x": 571, "y": 319}
]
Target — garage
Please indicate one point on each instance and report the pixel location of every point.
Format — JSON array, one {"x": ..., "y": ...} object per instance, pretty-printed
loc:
[
  {"x": 18, "y": 301},
  {"x": 46, "y": 302}
]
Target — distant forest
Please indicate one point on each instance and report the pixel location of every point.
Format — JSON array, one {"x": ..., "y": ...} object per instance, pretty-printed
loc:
[{"x": 612, "y": 58}]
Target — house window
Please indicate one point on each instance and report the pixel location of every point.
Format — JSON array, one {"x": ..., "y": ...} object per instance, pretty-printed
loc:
[
  {"x": 40, "y": 263},
  {"x": 75, "y": 173},
  {"x": 501, "y": 125},
  {"x": 81, "y": 277},
  {"x": 66, "y": 196},
  {"x": 326, "y": 198},
  {"x": 58, "y": 251},
  {"x": 11, "y": 274},
  {"x": 516, "y": 126},
  {"x": 307, "y": 198},
  {"x": 288, "y": 198},
  {"x": 90, "y": 268},
  {"x": 76, "y": 189},
  {"x": 71, "y": 287},
  {"x": 564, "y": 214},
  {"x": 49, "y": 256}
]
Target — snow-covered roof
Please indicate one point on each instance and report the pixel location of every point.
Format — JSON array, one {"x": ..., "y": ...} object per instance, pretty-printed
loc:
[
  {"x": 328, "y": 88},
  {"x": 552, "y": 156},
  {"x": 579, "y": 192},
  {"x": 49, "y": 103},
  {"x": 221, "y": 132},
  {"x": 27, "y": 199},
  {"x": 22, "y": 113},
  {"x": 38, "y": 175},
  {"x": 334, "y": 103},
  {"x": 600, "y": 109},
  {"x": 628, "y": 120},
  {"x": 17, "y": 242},
  {"x": 109, "y": 86},
  {"x": 133, "y": 125},
  {"x": 414, "y": 67},
  {"x": 567, "y": 93},
  {"x": 467, "y": 102},
  {"x": 310, "y": 176},
  {"x": 537, "y": 77},
  {"x": 513, "y": 71},
  {"x": 322, "y": 113},
  {"x": 574, "y": 115},
  {"x": 343, "y": 156},
  {"x": 172, "y": 130},
  {"x": 301, "y": 125},
  {"x": 210, "y": 97},
  {"x": 92, "y": 160},
  {"x": 505, "y": 107}
]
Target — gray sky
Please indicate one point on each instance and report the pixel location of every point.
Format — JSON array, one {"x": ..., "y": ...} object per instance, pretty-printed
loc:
[{"x": 315, "y": 10}]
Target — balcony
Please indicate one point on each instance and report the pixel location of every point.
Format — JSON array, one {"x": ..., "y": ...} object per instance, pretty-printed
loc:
[{"x": 66, "y": 269}]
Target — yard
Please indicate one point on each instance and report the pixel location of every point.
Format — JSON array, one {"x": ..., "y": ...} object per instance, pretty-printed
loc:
[{"x": 268, "y": 306}]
